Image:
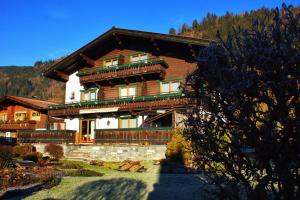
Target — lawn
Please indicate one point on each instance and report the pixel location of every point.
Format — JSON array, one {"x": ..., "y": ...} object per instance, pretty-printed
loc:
[{"x": 124, "y": 185}]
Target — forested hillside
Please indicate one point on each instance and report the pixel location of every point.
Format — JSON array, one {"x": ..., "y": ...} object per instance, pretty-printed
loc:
[
  {"x": 207, "y": 27},
  {"x": 28, "y": 81}
]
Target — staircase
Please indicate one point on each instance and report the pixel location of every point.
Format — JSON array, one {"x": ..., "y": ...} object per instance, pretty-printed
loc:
[{"x": 80, "y": 152}]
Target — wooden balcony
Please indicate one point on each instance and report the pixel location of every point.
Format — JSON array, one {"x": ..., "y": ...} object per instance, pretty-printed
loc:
[
  {"x": 12, "y": 125},
  {"x": 158, "y": 136},
  {"x": 125, "y": 72},
  {"x": 122, "y": 105},
  {"x": 46, "y": 136}
]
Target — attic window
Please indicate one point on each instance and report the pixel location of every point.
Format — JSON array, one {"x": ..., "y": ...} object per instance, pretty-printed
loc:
[
  {"x": 111, "y": 62},
  {"x": 36, "y": 116},
  {"x": 139, "y": 57},
  {"x": 20, "y": 116},
  {"x": 3, "y": 117}
]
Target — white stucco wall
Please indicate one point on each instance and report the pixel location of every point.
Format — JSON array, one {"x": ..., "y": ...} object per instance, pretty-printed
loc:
[
  {"x": 107, "y": 123},
  {"x": 73, "y": 85},
  {"x": 72, "y": 124},
  {"x": 140, "y": 120},
  {"x": 113, "y": 122}
]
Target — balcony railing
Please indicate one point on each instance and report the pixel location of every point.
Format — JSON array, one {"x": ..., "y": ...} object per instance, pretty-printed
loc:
[
  {"x": 159, "y": 135},
  {"x": 46, "y": 136},
  {"x": 124, "y": 71},
  {"x": 22, "y": 125},
  {"x": 123, "y": 104}
]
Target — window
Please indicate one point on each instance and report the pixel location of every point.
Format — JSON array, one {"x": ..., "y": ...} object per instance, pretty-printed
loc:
[
  {"x": 89, "y": 95},
  {"x": 140, "y": 57},
  {"x": 170, "y": 87},
  {"x": 111, "y": 62},
  {"x": 36, "y": 116},
  {"x": 127, "y": 91},
  {"x": 3, "y": 117},
  {"x": 128, "y": 122},
  {"x": 20, "y": 116}
]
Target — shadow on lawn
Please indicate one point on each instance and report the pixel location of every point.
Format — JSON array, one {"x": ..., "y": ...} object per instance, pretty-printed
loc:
[
  {"x": 120, "y": 188},
  {"x": 175, "y": 183}
]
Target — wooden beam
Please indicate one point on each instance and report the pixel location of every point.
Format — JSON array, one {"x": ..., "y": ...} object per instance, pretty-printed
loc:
[
  {"x": 162, "y": 75},
  {"x": 192, "y": 51},
  {"x": 118, "y": 39},
  {"x": 62, "y": 75},
  {"x": 155, "y": 45},
  {"x": 142, "y": 78},
  {"x": 88, "y": 59},
  {"x": 126, "y": 81},
  {"x": 110, "y": 83}
]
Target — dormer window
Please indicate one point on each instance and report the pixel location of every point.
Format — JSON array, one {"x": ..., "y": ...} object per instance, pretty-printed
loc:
[{"x": 139, "y": 57}]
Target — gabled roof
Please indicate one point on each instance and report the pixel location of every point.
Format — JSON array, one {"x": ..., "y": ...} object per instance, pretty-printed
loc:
[
  {"x": 75, "y": 61},
  {"x": 32, "y": 103}
]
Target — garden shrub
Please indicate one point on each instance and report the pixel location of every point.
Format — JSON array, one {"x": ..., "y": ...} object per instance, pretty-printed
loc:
[
  {"x": 83, "y": 173},
  {"x": 55, "y": 151},
  {"x": 34, "y": 157},
  {"x": 6, "y": 155},
  {"x": 178, "y": 148},
  {"x": 16, "y": 177},
  {"x": 24, "y": 149}
]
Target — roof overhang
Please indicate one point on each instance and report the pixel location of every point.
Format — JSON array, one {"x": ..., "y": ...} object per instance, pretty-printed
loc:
[
  {"x": 21, "y": 102},
  {"x": 118, "y": 38}
]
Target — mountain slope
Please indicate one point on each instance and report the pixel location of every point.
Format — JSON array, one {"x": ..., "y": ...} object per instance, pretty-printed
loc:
[{"x": 28, "y": 82}]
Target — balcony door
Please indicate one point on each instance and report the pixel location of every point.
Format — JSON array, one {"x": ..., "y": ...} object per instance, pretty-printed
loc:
[{"x": 87, "y": 130}]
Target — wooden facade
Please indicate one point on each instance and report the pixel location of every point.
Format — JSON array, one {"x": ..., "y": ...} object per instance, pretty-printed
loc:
[
  {"x": 20, "y": 113},
  {"x": 127, "y": 73}
]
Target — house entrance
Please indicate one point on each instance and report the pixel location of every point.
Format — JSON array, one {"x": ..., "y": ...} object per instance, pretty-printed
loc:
[{"x": 87, "y": 130}]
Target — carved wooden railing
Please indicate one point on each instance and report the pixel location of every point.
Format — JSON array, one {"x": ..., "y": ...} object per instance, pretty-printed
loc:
[
  {"x": 13, "y": 125},
  {"x": 124, "y": 71},
  {"x": 159, "y": 135},
  {"x": 123, "y": 104},
  {"x": 46, "y": 136}
]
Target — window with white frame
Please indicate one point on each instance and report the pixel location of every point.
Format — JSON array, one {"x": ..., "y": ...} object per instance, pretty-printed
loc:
[
  {"x": 36, "y": 116},
  {"x": 168, "y": 87},
  {"x": 139, "y": 57},
  {"x": 110, "y": 62},
  {"x": 128, "y": 122},
  {"x": 20, "y": 116},
  {"x": 127, "y": 91},
  {"x": 89, "y": 95}
]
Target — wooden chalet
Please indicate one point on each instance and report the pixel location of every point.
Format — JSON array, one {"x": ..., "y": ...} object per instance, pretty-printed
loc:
[
  {"x": 126, "y": 86},
  {"x": 20, "y": 115}
]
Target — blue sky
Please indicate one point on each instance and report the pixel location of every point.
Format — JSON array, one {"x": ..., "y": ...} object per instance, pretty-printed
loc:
[{"x": 32, "y": 30}]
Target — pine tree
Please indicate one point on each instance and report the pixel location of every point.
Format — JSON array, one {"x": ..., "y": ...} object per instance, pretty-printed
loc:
[{"x": 172, "y": 31}]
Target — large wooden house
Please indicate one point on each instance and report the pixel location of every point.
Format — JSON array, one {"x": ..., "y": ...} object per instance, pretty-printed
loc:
[
  {"x": 25, "y": 114},
  {"x": 126, "y": 86}
]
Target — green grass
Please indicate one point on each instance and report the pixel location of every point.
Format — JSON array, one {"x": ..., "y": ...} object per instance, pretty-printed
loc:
[{"x": 123, "y": 185}]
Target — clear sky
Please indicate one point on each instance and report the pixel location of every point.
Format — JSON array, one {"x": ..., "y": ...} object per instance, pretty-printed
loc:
[{"x": 32, "y": 30}]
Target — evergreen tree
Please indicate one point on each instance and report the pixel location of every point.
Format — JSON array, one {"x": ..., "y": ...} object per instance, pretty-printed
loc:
[
  {"x": 172, "y": 31},
  {"x": 195, "y": 25}
]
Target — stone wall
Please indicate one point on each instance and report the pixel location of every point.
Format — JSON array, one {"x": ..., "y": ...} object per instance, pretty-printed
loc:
[{"x": 111, "y": 152}]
